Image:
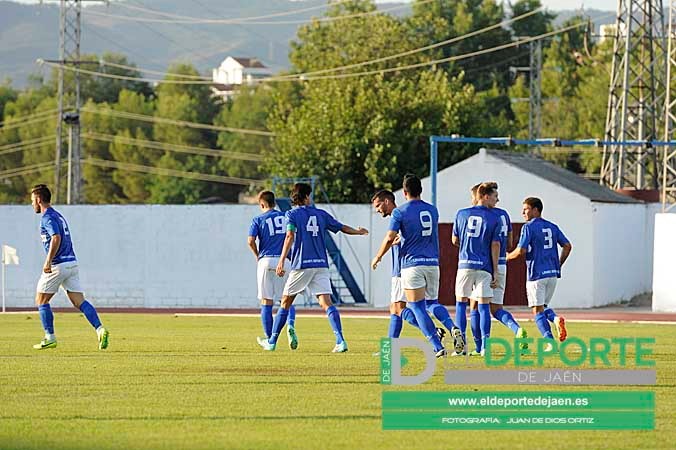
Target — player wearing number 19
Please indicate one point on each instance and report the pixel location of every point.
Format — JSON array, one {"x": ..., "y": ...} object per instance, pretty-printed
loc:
[
  {"x": 270, "y": 228},
  {"x": 306, "y": 228},
  {"x": 60, "y": 269},
  {"x": 539, "y": 241}
]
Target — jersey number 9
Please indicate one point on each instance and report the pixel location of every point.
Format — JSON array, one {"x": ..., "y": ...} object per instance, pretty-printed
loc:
[
  {"x": 426, "y": 223},
  {"x": 474, "y": 226}
]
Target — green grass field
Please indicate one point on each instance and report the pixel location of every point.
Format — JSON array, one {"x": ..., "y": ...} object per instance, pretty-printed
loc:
[{"x": 202, "y": 382}]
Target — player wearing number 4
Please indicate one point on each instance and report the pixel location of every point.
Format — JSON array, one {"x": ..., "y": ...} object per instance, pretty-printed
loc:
[
  {"x": 418, "y": 221},
  {"x": 306, "y": 228},
  {"x": 270, "y": 228},
  {"x": 60, "y": 269},
  {"x": 539, "y": 242}
]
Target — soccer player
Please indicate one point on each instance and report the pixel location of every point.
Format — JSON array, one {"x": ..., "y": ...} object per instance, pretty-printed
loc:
[
  {"x": 417, "y": 221},
  {"x": 270, "y": 228},
  {"x": 502, "y": 315},
  {"x": 539, "y": 242},
  {"x": 477, "y": 234},
  {"x": 60, "y": 269},
  {"x": 306, "y": 228},
  {"x": 384, "y": 203}
]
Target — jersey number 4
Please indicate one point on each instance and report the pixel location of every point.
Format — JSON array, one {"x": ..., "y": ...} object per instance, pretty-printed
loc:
[{"x": 312, "y": 226}]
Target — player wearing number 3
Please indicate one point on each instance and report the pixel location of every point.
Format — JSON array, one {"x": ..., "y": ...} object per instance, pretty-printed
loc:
[
  {"x": 270, "y": 228},
  {"x": 305, "y": 231},
  {"x": 539, "y": 242}
]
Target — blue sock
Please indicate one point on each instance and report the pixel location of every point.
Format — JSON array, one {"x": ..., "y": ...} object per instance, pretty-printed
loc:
[
  {"x": 90, "y": 313},
  {"x": 476, "y": 328},
  {"x": 426, "y": 325},
  {"x": 543, "y": 325},
  {"x": 334, "y": 319},
  {"x": 461, "y": 317},
  {"x": 47, "y": 318},
  {"x": 485, "y": 322},
  {"x": 292, "y": 316},
  {"x": 395, "y": 326},
  {"x": 507, "y": 319},
  {"x": 266, "y": 319},
  {"x": 550, "y": 314},
  {"x": 278, "y": 325},
  {"x": 440, "y": 312},
  {"x": 409, "y": 317}
]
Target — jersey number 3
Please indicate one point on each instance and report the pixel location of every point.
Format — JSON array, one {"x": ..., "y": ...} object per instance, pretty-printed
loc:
[{"x": 549, "y": 243}]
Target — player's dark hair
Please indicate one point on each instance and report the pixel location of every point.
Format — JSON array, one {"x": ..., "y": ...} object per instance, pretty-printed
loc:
[
  {"x": 412, "y": 185},
  {"x": 268, "y": 197},
  {"x": 382, "y": 195},
  {"x": 534, "y": 203},
  {"x": 42, "y": 191},
  {"x": 487, "y": 188},
  {"x": 300, "y": 192}
]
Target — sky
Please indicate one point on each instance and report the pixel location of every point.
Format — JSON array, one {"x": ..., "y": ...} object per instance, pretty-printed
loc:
[{"x": 605, "y": 5}]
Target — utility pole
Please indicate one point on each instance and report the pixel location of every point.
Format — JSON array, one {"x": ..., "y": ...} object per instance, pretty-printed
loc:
[
  {"x": 668, "y": 174},
  {"x": 635, "y": 98},
  {"x": 535, "y": 90}
]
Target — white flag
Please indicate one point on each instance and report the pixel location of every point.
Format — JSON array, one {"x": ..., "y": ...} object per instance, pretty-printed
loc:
[{"x": 9, "y": 255}]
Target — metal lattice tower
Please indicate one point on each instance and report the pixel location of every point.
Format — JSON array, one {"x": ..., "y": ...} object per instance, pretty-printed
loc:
[
  {"x": 69, "y": 94},
  {"x": 535, "y": 90},
  {"x": 669, "y": 153},
  {"x": 636, "y": 96}
]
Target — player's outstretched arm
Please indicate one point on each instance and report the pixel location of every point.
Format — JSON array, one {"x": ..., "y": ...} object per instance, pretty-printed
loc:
[
  {"x": 384, "y": 248},
  {"x": 565, "y": 252},
  {"x": 252, "y": 245},
  {"x": 516, "y": 253},
  {"x": 359, "y": 231}
]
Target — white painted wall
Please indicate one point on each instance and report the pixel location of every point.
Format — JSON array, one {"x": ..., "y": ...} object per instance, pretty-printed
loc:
[
  {"x": 570, "y": 211},
  {"x": 664, "y": 294},
  {"x": 157, "y": 256}
]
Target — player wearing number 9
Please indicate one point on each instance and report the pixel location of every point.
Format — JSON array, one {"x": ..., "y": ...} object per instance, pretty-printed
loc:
[{"x": 539, "y": 242}]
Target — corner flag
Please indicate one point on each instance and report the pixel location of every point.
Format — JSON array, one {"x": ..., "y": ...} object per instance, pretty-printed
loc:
[{"x": 9, "y": 255}]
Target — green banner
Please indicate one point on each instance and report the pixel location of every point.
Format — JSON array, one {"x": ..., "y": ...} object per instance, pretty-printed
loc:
[
  {"x": 522, "y": 401},
  {"x": 536, "y": 420}
]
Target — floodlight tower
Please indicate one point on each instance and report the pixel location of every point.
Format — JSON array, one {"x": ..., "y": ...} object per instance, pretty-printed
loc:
[
  {"x": 636, "y": 96},
  {"x": 669, "y": 153}
]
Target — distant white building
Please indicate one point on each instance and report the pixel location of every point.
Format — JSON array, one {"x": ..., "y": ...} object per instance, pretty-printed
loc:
[{"x": 234, "y": 72}]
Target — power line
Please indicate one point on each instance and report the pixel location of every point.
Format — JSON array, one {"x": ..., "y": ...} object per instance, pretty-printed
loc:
[
  {"x": 13, "y": 125},
  {"x": 32, "y": 115},
  {"x": 155, "y": 72},
  {"x": 163, "y": 120},
  {"x": 157, "y": 145},
  {"x": 170, "y": 172},
  {"x": 17, "y": 171},
  {"x": 195, "y": 20},
  {"x": 421, "y": 49},
  {"x": 25, "y": 145}
]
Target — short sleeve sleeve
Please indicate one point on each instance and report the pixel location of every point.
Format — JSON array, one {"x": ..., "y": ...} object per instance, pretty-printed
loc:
[
  {"x": 524, "y": 240},
  {"x": 52, "y": 226},
  {"x": 290, "y": 221},
  {"x": 395, "y": 221},
  {"x": 332, "y": 224},
  {"x": 561, "y": 238},
  {"x": 253, "y": 229}
]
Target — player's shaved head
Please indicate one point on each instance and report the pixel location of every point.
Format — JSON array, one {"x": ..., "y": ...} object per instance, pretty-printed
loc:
[
  {"x": 42, "y": 192},
  {"x": 412, "y": 185},
  {"x": 383, "y": 195},
  {"x": 300, "y": 193},
  {"x": 267, "y": 197}
]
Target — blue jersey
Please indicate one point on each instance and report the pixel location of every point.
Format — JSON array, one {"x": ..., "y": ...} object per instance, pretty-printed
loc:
[
  {"x": 505, "y": 224},
  {"x": 396, "y": 260},
  {"x": 310, "y": 225},
  {"x": 418, "y": 223},
  {"x": 270, "y": 229},
  {"x": 51, "y": 224},
  {"x": 476, "y": 228},
  {"x": 541, "y": 239}
]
